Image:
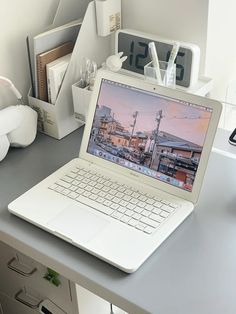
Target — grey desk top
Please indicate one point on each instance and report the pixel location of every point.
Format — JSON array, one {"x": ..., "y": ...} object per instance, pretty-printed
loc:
[{"x": 193, "y": 271}]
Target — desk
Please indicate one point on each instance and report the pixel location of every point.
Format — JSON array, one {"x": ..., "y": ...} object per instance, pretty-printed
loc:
[{"x": 192, "y": 272}]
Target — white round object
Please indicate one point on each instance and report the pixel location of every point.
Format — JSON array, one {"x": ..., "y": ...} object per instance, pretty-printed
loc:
[
  {"x": 4, "y": 146},
  {"x": 25, "y": 133}
]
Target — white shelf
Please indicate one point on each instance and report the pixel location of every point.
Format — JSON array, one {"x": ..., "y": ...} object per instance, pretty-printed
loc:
[{"x": 202, "y": 88}]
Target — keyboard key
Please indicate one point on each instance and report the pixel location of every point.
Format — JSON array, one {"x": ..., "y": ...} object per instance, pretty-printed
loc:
[
  {"x": 75, "y": 182},
  {"x": 109, "y": 197},
  {"x": 72, "y": 175},
  {"x": 134, "y": 201},
  {"x": 119, "y": 194},
  {"x": 80, "y": 191},
  {"x": 136, "y": 216},
  {"x": 140, "y": 226},
  {"x": 123, "y": 203},
  {"x": 67, "y": 179},
  {"x": 116, "y": 200},
  {"x": 132, "y": 222},
  {"x": 72, "y": 195},
  {"x": 156, "y": 218},
  {"x": 167, "y": 208},
  {"x": 165, "y": 202},
  {"x": 122, "y": 209},
  {"x": 112, "y": 192},
  {"x": 104, "y": 209},
  {"x": 59, "y": 188},
  {"x": 129, "y": 212},
  {"x": 107, "y": 203},
  {"x": 164, "y": 214},
  {"x": 141, "y": 204},
  {"x": 149, "y": 230},
  {"x": 156, "y": 211},
  {"x": 150, "y": 201},
  {"x": 104, "y": 188},
  {"x": 149, "y": 207},
  {"x": 128, "y": 192},
  {"x": 117, "y": 215},
  {"x": 125, "y": 219},
  {"x": 65, "y": 192},
  {"x": 63, "y": 183},
  {"x": 114, "y": 206},
  {"x": 102, "y": 194},
  {"x": 149, "y": 222},
  {"x": 157, "y": 204},
  {"x": 138, "y": 209},
  {"x": 130, "y": 206},
  {"x": 127, "y": 198},
  {"x": 135, "y": 195},
  {"x": 142, "y": 198},
  {"x": 86, "y": 194},
  {"x": 53, "y": 187},
  {"x": 88, "y": 188},
  {"x": 86, "y": 181},
  {"x": 92, "y": 183},
  {"x": 100, "y": 199},
  {"x": 73, "y": 188},
  {"x": 93, "y": 197},
  {"x": 121, "y": 189},
  {"x": 95, "y": 190},
  {"x": 99, "y": 186},
  {"x": 173, "y": 205},
  {"x": 145, "y": 213}
]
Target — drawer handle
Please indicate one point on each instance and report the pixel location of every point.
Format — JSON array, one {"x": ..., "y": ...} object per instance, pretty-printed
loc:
[
  {"x": 18, "y": 270},
  {"x": 20, "y": 297}
]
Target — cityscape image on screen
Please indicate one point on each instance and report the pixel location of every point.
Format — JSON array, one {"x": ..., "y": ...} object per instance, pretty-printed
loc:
[{"x": 154, "y": 135}]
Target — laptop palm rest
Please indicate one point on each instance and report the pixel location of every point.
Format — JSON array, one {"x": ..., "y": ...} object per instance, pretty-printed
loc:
[{"x": 76, "y": 224}]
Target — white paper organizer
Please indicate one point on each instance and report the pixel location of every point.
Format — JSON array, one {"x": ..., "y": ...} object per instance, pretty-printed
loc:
[{"x": 58, "y": 120}]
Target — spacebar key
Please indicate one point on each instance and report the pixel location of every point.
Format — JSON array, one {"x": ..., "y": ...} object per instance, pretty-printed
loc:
[{"x": 104, "y": 209}]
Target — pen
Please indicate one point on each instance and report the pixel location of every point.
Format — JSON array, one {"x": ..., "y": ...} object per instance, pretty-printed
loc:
[
  {"x": 171, "y": 61},
  {"x": 155, "y": 61}
]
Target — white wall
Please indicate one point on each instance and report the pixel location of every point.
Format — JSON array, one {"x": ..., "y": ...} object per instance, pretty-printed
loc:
[
  {"x": 17, "y": 20},
  {"x": 184, "y": 20},
  {"x": 221, "y": 45}
]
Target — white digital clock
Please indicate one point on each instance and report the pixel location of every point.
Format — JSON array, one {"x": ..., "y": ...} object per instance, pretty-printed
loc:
[{"x": 134, "y": 44}]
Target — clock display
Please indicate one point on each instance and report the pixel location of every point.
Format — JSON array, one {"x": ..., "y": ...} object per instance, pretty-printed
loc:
[{"x": 135, "y": 47}]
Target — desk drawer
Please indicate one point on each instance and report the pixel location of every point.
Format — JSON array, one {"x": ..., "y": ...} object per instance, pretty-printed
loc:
[
  {"x": 11, "y": 306},
  {"x": 19, "y": 272}
]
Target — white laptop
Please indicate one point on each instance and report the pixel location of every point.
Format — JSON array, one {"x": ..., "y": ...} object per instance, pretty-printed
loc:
[{"x": 140, "y": 169}]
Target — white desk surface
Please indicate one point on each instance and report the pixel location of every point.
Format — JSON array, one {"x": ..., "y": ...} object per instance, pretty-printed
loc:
[{"x": 192, "y": 272}]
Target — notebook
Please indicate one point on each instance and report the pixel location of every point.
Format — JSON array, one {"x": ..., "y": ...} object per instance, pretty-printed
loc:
[
  {"x": 47, "y": 57},
  {"x": 138, "y": 176}
]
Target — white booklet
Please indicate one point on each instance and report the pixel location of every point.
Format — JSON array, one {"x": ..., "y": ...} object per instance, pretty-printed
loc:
[
  {"x": 55, "y": 74},
  {"x": 52, "y": 38}
]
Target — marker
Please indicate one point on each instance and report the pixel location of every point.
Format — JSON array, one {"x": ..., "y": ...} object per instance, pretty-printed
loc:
[{"x": 155, "y": 61}]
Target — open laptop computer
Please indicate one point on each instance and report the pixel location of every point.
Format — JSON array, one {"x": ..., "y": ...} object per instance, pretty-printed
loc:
[{"x": 140, "y": 169}]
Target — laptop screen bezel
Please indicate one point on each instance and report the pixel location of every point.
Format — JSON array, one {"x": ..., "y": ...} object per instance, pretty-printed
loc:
[{"x": 216, "y": 107}]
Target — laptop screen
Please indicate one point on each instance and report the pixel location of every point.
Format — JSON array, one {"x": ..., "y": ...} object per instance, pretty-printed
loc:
[{"x": 155, "y": 135}]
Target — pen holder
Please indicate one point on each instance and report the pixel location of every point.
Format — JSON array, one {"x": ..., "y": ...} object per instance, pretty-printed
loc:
[
  {"x": 168, "y": 75},
  {"x": 81, "y": 99}
]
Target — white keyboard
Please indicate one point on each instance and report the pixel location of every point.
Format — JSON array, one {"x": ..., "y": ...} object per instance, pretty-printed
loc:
[{"x": 143, "y": 211}]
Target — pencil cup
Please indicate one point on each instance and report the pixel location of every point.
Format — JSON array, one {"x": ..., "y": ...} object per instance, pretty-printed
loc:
[
  {"x": 168, "y": 74},
  {"x": 81, "y": 99}
]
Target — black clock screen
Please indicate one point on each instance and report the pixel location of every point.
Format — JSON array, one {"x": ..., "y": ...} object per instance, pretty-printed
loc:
[{"x": 136, "y": 49}]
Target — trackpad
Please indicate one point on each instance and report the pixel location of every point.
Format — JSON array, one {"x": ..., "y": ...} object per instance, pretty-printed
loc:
[{"x": 77, "y": 224}]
